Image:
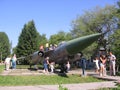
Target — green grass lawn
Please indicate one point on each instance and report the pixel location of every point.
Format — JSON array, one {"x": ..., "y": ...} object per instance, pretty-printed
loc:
[
  {"x": 22, "y": 66},
  {"x": 2, "y": 67},
  {"x": 45, "y": 79},
  {"x": 42, "y": 79}
]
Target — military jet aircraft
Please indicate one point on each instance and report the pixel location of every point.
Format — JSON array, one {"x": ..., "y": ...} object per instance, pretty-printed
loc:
[{"x": 64, "y": 50}]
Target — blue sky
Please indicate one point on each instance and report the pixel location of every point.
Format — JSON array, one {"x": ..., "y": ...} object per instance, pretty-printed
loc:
[{"x": 50, "y": 16}]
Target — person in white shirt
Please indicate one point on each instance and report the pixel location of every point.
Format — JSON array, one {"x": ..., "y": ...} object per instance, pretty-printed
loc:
[
  {"x": 97, "y": 67},
  {"x": 68, "y": 66},
  {"x": 112, "y": 59},
  {"x": 52, "y": 66},
  {"x": 7, "y": 63}
]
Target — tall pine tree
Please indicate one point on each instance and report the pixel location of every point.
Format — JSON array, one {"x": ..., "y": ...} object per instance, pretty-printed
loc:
[
  {"x": 28, "y": 40},
  {"x": 4, "y": 45}
]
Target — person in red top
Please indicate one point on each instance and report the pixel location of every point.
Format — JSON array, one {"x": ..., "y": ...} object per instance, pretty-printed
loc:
[
  {"x": 103, "y": 65},
  {"x": 41, "y": 48}
]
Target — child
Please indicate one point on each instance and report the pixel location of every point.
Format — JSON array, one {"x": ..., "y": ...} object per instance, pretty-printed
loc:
[{"x": 96, "y": 64}]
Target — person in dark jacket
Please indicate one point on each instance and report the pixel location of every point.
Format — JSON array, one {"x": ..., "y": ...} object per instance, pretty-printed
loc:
[{"x": 83, "y": 65}]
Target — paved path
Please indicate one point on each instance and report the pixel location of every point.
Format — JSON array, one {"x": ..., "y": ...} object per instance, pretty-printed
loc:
[
  {"x": 108, "y": 78},
  {"x": 81, "y": 86},
  {"x": 39, "y": 72}
]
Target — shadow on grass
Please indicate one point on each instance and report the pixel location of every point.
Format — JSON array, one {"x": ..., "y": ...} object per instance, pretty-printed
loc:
[{"x": 63, "y": 75}]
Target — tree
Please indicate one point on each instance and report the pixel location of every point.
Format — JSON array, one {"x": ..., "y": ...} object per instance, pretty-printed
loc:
[
  {"x": 118, "y": 13},
  {"x": 4, "y": 45},
  {"x": 68, "y": 36},
  {"x": 114, "y": 46},
  {"x": 114, "y": 39},
  {"x": 28, "y": 40},
  {"x": 59, "y": 37},
  {"x": 96, "y": 20},
  {"x": 100, "y": 20},
  {"x": 42, "y": 39}
]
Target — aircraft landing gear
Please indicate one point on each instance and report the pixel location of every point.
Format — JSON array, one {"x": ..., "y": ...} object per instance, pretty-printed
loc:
[{"x": 63, "y": 68}]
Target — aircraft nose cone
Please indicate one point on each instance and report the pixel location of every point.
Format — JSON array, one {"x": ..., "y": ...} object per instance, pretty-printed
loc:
[{"x": 76, "y": 45}]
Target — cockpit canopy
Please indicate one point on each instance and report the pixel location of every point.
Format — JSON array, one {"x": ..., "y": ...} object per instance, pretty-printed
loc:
[{"x": 61, "y": 43}]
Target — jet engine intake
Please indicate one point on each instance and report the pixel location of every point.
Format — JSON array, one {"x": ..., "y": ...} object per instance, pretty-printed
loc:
[{"x": 41, "y": 53}]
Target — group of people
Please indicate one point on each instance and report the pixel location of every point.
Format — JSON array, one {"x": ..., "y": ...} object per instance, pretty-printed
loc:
[
  {"x": 49, "y": 66},
  {"x": 101, "y": 64},
  {"x": 10, "y": 62},
  {"x": 46, "y": 65},
  {"x": 48, "y": 47}
]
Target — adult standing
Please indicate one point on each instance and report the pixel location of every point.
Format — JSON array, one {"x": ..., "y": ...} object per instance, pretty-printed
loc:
[
  {"x": 112, "y": 59},
  {"x": 103, "y": 65},
  {"x": 45, "y": 64},
  {"x": 14, "y": 59},
  {"x": 83, "y": 64},
  {"x": 7, "y": 63}
]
